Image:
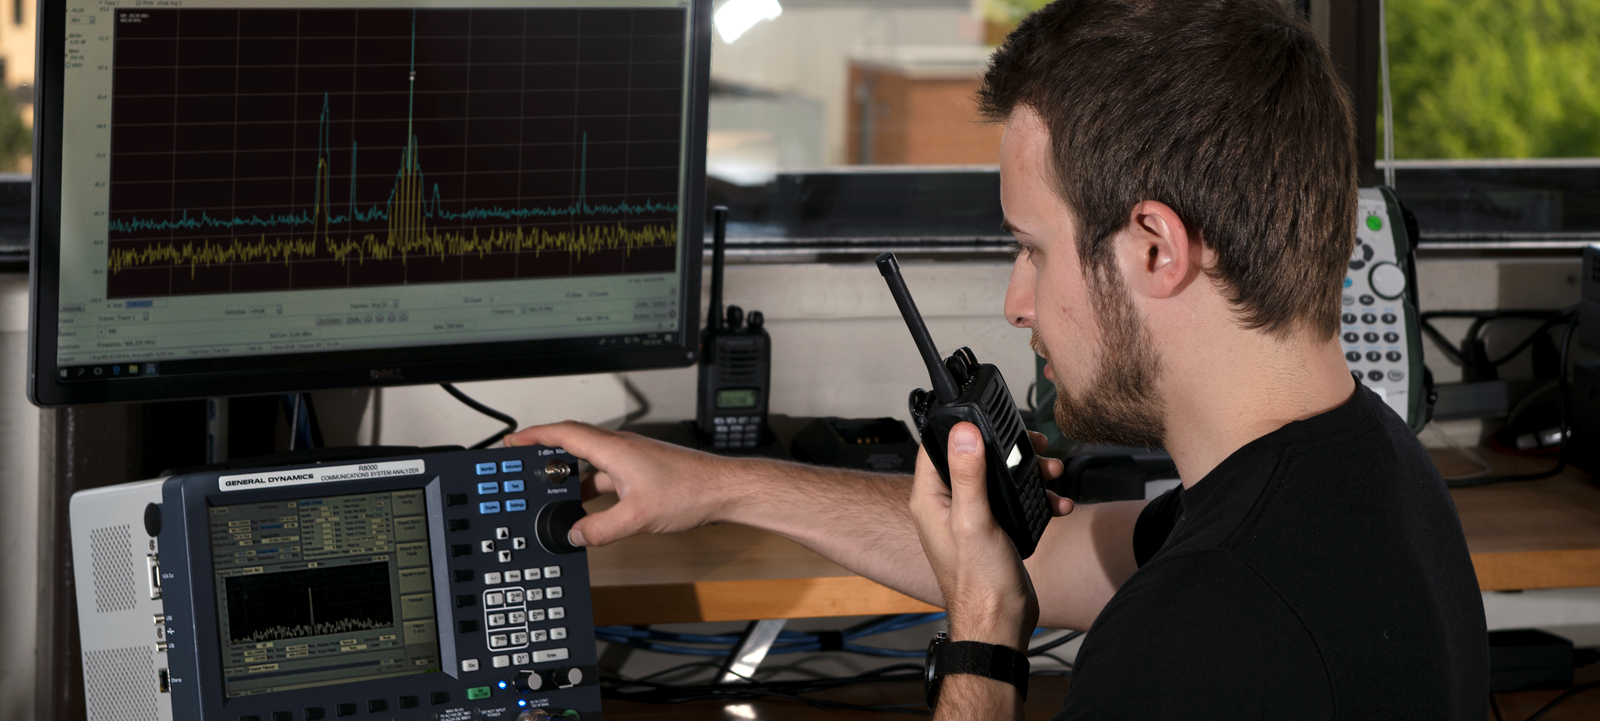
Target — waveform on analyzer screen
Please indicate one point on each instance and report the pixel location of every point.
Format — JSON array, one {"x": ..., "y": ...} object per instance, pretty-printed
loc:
[
  {"x": 344, "y": 625},
  {"x": 410, "y": 202},
  {"x": 402, "y": 243}
]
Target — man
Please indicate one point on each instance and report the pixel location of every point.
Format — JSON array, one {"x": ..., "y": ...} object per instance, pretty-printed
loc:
[{"x": 1180, "y": 178}]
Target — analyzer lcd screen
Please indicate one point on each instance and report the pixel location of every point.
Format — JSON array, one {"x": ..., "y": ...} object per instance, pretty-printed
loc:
[{"x": 319, "y": 591}]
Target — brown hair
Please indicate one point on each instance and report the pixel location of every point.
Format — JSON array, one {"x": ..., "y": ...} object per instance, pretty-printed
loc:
[{"x": 1226, "y": 110}]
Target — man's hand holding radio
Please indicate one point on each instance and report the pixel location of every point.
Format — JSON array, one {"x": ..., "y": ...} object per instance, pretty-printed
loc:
[{"x": 986, "y": 589}]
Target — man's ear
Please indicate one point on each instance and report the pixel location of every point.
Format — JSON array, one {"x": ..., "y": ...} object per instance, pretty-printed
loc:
[{"x": 1159, "y": 257}]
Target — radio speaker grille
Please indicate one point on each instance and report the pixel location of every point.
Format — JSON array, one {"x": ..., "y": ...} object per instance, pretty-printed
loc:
[
  {"x": 111, "y": 549},
  {"x": 120, "y": 684}
]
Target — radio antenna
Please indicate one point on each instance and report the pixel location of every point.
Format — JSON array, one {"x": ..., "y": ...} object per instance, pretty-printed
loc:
[
  {"x": 944, "y": 386},
  {"x": 719, "y": 239}
]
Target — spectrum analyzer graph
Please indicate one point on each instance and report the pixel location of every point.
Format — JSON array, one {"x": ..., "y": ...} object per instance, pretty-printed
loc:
[
  {"x": 291, "y": 149},
  {"x": 311, "y": 602}
]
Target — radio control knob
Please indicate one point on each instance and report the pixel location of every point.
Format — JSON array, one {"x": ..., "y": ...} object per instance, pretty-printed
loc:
[
  {"x": 568, "y": 676},
  {"x": 554, "y": 520},
  {"x": 957, "y": 366},
  {"x": 532, "y": 681}
]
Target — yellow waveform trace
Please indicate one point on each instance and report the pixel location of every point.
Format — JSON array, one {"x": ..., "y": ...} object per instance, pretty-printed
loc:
[{"x": 401, "y": 243}]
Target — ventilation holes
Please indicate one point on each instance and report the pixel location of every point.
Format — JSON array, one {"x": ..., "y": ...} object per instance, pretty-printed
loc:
[
  {"x": 111, "y": 549},
  {"x": 120, "y": 682}
]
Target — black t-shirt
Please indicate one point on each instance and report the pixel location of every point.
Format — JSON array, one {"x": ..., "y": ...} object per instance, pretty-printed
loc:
[{"x": 1319, "y": 572}]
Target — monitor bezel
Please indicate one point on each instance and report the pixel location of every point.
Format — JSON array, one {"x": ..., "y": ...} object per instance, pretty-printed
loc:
[{"x": 411, "y": 365}]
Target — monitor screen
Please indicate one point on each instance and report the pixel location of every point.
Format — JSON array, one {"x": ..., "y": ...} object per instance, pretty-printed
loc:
[
  {"x": 249, "y": 197},
  {"x": 318, "y": 591}
]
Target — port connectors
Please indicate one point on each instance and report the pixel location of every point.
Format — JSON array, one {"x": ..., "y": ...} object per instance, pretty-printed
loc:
[
  {"x": 164, "y": 679},
  {"x": 153, "y": 573}
]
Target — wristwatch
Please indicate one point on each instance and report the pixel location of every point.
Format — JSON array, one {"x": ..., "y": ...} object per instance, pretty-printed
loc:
[{"x": 946, "y": 657}]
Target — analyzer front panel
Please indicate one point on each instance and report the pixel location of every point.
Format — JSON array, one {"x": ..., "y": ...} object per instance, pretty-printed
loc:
[{"x": 413, "y": 588}]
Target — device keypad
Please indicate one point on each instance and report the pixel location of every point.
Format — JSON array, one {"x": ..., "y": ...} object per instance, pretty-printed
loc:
[{"x": 736, "y": 431}]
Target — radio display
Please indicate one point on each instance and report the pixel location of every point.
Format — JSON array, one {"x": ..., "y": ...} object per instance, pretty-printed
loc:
[
  {"x": 320, "y": 591},
  {"x": 737, "y": 398}
]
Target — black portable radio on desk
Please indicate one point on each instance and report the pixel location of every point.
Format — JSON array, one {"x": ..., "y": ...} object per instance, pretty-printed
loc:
[{"x": 424, "y": 587}]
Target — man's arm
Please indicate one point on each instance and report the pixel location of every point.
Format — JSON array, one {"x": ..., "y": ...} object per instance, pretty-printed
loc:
[{"x": 858, "y": 520}]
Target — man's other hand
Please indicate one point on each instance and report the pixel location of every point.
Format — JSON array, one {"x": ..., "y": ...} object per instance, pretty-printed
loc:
[
  {"x": 987, "y": 592},
  {"x": 661, "y": 488}
]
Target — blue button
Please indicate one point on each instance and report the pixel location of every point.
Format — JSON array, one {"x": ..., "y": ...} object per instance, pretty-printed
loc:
[
  {"x": 516, "y": 504},
  {"x": 511, "y": 466},
  {"x": 485, "y": 469},
  {"x": 1348, "y": 282},
  {"x": 485, "y": 489},
  {"x": 489, "y": 507},
  {"x": 514, "y": 486}
]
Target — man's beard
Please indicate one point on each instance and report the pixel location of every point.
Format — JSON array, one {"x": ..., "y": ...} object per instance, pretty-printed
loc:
[{"x": 1121, "y": 404}]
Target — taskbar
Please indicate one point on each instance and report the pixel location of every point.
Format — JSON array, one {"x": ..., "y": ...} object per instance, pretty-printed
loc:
[{"x": 131, "y": 370}]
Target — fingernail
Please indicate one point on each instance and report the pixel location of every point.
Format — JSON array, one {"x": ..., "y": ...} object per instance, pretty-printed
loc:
[
  {"x": 575, "y": 537},
  {"x": 964, "y": 440}
]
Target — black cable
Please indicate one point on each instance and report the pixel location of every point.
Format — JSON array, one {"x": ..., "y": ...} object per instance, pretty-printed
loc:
[
  {"x": 787, "y": 690},
  {"x": 1575, "y": 690},
  {"x": 1481, "y": 318},
  {"x": 1561, "y": 400},
  {"x": 680, "y": 667},
  {"x": 638, "y": 397},
  {"x": 511, "y": 423}
]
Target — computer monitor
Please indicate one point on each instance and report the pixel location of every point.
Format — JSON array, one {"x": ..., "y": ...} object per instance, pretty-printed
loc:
[{"x": 238, "y": 197}]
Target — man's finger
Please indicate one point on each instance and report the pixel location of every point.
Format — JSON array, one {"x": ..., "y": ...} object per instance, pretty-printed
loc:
[
  {"x": 969, "y": 497},
  {"x": 597, "y": 483},
  {"x": 927, "y": 490},
  {"x": 1040, "y": 441},
  {"x": 599, "y": 529},
  {"x": 1059, "y": 506},
  {"x": 579, "y": 439}
]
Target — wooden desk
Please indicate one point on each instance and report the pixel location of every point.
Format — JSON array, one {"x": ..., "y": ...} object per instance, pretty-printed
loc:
[
  {"x": 1533, "y": 534},
  {"x": 1528, "y": 534}
]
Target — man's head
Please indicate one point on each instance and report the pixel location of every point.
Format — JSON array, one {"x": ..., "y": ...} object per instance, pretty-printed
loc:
[{"x": 1219, "y": 123}]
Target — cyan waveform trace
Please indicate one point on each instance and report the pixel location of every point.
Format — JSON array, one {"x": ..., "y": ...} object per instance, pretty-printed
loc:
[{"x": 431, "y": 207}]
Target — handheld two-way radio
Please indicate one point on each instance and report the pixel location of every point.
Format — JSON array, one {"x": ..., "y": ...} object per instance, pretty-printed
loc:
[
  {"x": 735, "y": 365},
  {"x": 966, "y": 390}
]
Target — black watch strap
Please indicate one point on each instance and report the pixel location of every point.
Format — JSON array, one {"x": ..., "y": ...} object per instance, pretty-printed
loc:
[{"x": 983, "y": 659}]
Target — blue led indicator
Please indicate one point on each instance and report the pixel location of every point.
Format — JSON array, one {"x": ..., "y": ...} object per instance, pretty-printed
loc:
[
  {"x": 522, "y": 702},
  {"x": 1348, "y": 282},
  {"x": 514, "y": 486},
  {"x": 489, "y": 507},
  {"x": 485, "y": 469},
  {"x": 511, "y": 466},
  {"x": 516, "y": 504},
  {"x": 502, "y": 684},
  {"x": 488, "y": 487}
]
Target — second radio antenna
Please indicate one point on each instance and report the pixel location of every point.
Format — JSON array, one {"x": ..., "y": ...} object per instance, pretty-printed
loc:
[{"x": 719, "y": 239}]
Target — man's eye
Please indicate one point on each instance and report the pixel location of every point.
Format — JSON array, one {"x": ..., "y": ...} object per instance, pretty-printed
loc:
[{"x": 1019, "y": 250}]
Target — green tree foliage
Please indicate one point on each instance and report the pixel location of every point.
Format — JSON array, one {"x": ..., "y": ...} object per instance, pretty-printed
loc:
[
  {"x": 16, "y": 140},
  {"x": 1495, "y": 78}
]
